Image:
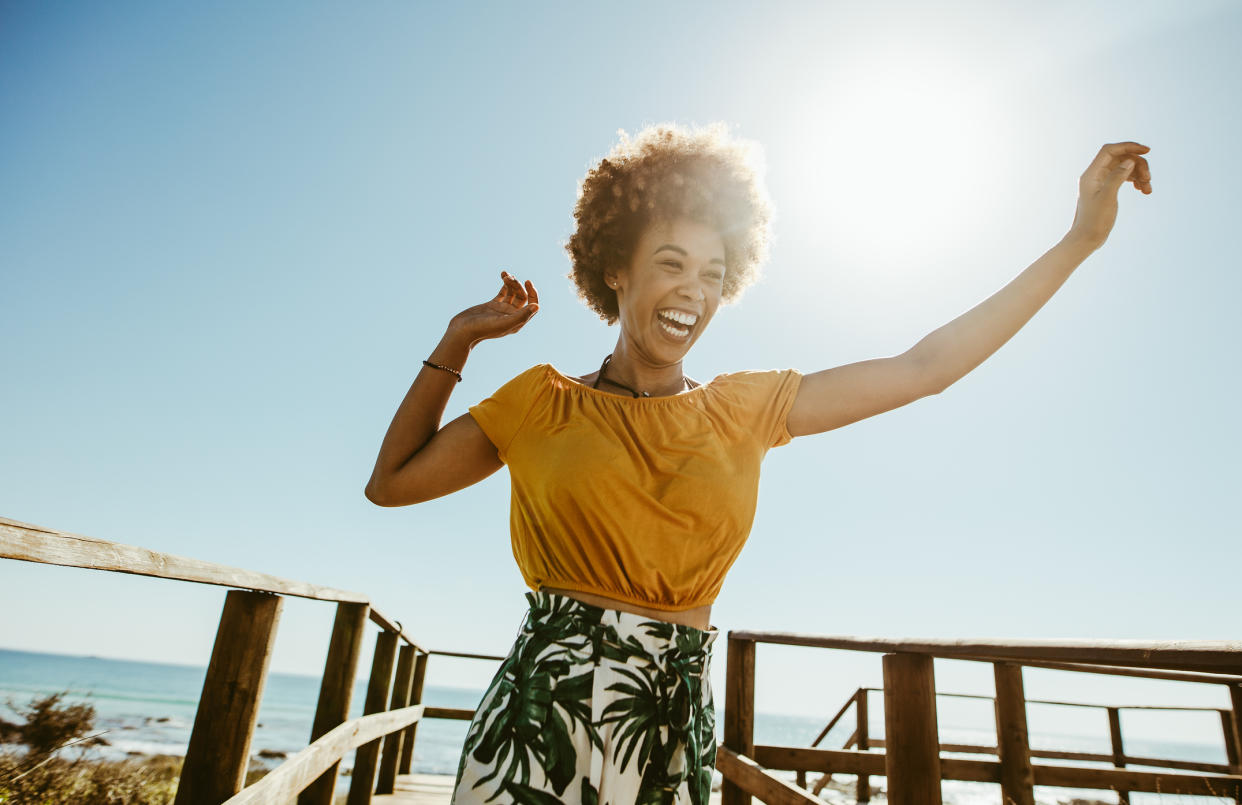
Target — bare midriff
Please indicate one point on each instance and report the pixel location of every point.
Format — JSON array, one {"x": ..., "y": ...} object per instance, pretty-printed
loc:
[{"x": 699, "y": 617}]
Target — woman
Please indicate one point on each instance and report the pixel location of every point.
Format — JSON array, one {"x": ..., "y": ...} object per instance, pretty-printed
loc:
[{"x": 634, "y": 487}]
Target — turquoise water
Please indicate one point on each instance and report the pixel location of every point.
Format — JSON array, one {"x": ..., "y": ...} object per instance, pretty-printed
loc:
[{"x": 149, "y": 708}]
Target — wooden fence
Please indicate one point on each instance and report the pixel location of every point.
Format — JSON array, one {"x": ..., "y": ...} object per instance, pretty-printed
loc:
[
  {"x": 911, "y": 759},
  {"x": 218, "y": 754},
  {"x": 383, "y": 738}
]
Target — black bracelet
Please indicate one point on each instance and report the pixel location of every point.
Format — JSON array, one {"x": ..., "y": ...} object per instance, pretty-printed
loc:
[{"x": 445, "y": 368}]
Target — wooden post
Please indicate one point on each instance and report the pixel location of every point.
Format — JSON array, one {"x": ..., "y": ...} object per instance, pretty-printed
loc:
[
  {"x": 219, "y": 750},
  {"x": 1119, "y": 751},
  {"x": 392, "y": 741},
  {"x": 1012, "y": 740},
  {"x": 1235, "y": 697},
  {"x": 336, "y": 690},
  {"x": 416, "y": 697},
  {"x": 863, "y": 737},
  {"x": 1229, "y": 729},
  {"x": 911, "y": 738},
  {"x": 739, "y": 714},
  {"x": 362, "y": 784}
]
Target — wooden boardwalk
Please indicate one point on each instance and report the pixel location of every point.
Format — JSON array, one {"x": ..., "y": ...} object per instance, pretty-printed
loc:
[{"x": 435, "y": 789}]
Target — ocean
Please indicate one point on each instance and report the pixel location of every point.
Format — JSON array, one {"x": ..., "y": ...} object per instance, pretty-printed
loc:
[{"x": 148, "y": 708}]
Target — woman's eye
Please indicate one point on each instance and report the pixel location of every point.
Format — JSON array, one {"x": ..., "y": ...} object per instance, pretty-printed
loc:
[{"x": 673, "y": 263}]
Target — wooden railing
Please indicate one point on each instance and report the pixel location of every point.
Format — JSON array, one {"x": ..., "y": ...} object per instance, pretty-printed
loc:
[
  {"x": 218, "y": 754},
  {"x": 911, "y": 759},
  {"x": 860, "y": 737},
  {"x": 383, "y": 738}
]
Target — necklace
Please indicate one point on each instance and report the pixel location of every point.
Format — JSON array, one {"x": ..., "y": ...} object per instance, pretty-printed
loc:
[{"x": 600, "y": 376}]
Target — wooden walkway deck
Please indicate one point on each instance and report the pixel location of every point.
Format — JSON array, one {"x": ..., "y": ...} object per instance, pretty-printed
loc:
[{"x": 435, "y": 789}]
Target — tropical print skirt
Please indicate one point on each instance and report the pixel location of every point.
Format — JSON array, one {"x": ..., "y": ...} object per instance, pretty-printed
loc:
[{"x": 594, "y": 706}]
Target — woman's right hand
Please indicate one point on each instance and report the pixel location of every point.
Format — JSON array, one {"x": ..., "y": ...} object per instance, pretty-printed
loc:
[{"x": 506, "y": 313}]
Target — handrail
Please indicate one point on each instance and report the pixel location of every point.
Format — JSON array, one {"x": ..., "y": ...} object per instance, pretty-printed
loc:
[
  {"x": 1071, "y": 704},
  {"x": 219, "y": 751},
  {"x": 910, "y": 758},
  {"x": 1214, "y": 656},
  {"x": 32, "y": 543},
  {"x": 289, "y": 778}
]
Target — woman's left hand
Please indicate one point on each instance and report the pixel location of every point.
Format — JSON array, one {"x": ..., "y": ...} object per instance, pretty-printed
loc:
[{"x": 1098, "y": 187}]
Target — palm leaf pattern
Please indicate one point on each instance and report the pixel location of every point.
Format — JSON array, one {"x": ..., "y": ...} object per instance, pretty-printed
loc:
[{"x": 521, "y": 744}]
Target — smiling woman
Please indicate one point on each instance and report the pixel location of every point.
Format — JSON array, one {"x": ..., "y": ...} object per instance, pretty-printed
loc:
[{"x": 634, "y": 488}]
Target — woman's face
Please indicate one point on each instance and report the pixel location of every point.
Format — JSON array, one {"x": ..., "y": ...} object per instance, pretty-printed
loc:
[{"x": 677, "y": 272}]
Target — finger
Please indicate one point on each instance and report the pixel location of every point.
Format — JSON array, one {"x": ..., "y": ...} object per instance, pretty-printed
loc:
[
  {"x": 513, "y": 293},
  {"x": 1128, "y": 147},
  {"x": 1109, "y": 152},
  {"x": 504, "y": 294},
  {"x": 519, "y": 293},
  {"x": 1120, "y": 173},
  {"x": 534, "y": 295},
  {"x": 1141, "y": 175}
]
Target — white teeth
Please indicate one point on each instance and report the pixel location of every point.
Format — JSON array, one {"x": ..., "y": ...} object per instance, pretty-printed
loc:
[
  {"x": 687, "y": 319},
  {"x": 676, "y": 333}
]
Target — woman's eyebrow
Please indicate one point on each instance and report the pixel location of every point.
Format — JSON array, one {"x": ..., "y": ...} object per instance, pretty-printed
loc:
[{"x": 684, "y": 253}]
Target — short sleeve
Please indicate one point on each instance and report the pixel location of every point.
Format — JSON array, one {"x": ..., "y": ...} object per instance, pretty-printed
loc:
[
  {"x": 501, "y": 415},
  {"x": 762, "y": 401}
]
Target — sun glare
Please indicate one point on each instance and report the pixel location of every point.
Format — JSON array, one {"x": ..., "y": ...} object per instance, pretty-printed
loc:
[{"x": 905, "y": 162}]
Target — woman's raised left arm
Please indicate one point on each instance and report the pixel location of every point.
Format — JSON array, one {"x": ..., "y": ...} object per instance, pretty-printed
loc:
[
  {"x": 953, "y": 350},
  {"x": 845, "y": 394}
]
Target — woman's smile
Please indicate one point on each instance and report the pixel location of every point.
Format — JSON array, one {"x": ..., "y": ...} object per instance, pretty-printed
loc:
[{"x": 676, "y": 325}]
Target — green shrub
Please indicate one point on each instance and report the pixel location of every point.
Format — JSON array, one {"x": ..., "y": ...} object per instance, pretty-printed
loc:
[{"x": 39, "y": 776}]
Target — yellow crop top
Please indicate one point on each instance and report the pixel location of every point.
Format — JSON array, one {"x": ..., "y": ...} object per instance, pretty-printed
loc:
[{"x": 643, "y": 499}]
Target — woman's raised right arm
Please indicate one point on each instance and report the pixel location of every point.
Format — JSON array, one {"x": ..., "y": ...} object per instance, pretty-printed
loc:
[{"x": 418, "y": 460}]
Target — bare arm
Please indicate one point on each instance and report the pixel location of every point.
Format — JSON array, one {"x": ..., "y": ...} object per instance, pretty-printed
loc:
[
  {"x": 418, "y": 460},
  {"x": 418, "y": 417},
  {"x": 950, "y": 352},
  {"x": 845, "y": 394}
]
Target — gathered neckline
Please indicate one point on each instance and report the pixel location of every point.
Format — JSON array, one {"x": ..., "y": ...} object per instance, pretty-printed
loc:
[{"x": 641, "y": 400}]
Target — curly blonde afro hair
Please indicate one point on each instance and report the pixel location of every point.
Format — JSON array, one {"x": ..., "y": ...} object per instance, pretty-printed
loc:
[{"x": 666, "y": 172}]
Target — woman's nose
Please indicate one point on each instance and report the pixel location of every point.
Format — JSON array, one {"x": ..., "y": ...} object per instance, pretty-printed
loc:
[{"x": 693, "y": 292}]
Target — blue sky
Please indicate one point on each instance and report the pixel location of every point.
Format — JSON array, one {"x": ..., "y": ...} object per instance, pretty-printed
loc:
[{"x": 230, "y": 234}]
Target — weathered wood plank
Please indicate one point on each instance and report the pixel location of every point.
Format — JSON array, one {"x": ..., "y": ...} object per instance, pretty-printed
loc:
[
  {"x": 1119, "y": 750},
  {"x": 1201, "y": 785},
  {"x": 31, "y": 543},
  {"x": 862, "y": 735},
  {"x": 392, "y": 742},
  {"x": 1013, "y": 744},
  {"x": 912, "y": 754},
  {"x": 1235, "y": 735},
  {"x": 286, "y": 780},
  {"x": 749, "y": 777},
  {"x": 739, "y": 712},
  {"x": 454, "y": 713},
  {"x": 1099, "y": 757},
  {"x": 1114, "y": 670},
  {"x": 362, "y": 781},
  {"x": 335, "y": 691},
  {"x": 389, "y": 625},
  {"x": 845, "y": 761},
  {"x": 219, "y": 749},
  {"x": 497, "y": 657},
  {"x": 416, "y": 697},
  {"x": 1215, "y": 656}
]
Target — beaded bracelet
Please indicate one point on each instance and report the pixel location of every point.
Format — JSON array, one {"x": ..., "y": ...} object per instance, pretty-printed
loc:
[{"x": 445, "y": 368}]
